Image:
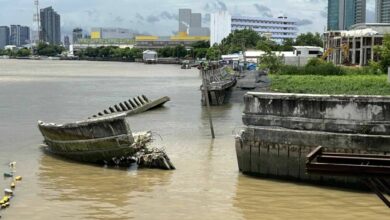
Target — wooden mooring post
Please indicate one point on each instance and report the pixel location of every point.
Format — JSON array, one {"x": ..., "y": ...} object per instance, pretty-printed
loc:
[{"x": 206, "y": 95}]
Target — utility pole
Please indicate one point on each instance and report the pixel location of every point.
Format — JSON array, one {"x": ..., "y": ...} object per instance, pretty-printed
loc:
[{"x": 206, "y": 95}]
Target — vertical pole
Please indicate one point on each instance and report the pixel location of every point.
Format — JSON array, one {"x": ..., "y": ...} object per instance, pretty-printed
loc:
[
  {"x": 388, "y": 75},
  {"x": 206, "y": 95}
]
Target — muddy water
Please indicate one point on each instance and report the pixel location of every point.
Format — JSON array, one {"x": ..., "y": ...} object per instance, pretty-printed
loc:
[{"x": 206, "y": 184}]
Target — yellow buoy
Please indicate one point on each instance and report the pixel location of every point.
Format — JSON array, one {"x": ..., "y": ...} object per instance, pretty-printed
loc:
[{"x": 18, "y": 178}]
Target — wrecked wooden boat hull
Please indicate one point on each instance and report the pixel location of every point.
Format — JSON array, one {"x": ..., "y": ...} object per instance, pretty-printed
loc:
[
  {"x": 94, "y": 140},
  {"x": 133, "y": 106}
]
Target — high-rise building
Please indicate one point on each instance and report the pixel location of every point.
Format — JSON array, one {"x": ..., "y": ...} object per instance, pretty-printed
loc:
[
  {"x": 383, "y": 11},
  {"x": 184, "y": 19},
  {"x": 222, "y": 24},
  {"x": 191, "y": 23},
  {"x": 50, "y": 26},
  {"x": 77, "y": 34},
  {"x": 66, "y": 42},
  {"x": 19, "y": 35},
  {"x": 342, "y": 14},
  {"x": 4, "y": 36}
]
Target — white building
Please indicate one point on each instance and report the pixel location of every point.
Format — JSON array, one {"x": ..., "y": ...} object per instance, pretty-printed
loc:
[
  {"x": 299, "y": 57},
  {"x": 222, "y": 24},
  {"x": 149, "y": 56}
]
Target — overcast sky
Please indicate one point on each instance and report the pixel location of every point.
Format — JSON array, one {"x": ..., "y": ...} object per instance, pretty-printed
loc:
[{"x": 159, "y": 17}]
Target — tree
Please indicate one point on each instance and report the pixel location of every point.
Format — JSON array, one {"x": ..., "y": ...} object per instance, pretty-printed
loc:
[
  {"x": 272, "y": 62},
  {"x": 287, "y": 45},
  {"x": 24, "y": 52},
  {"x": 384, "y": 53},
  {"x": 200, "y": 52},
  {"x": 44, "y": 49},
  {"x": 267, "y": 45},
  {"x": 309, "y": 39},
  {"x": 201, "y": 44},
  {"x": 180, "y": 51},
  {"x": 213, "y": 53},
  {"x": 240, "y": 40}
]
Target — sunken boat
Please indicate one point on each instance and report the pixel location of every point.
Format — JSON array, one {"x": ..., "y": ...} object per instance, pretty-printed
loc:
[
  {"x": 96, "y": 140},
  {"x": 133, "y": 106}
]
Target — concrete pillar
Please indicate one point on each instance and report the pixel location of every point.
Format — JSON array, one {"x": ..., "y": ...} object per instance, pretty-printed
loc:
[
  {"x": 361, "y": 52},
  {"x": 341, "y": 56},
  {"x": 372, "y": 47},
  {"x": 353, "y": 51},
  {"x": 388, "y": 75}
]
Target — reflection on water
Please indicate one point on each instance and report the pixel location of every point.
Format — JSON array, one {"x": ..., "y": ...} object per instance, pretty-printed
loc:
[
  {"x": 106, "y": 190},
  {"x": 206, "y": 184},
  {"x": 270, "y": 199}
]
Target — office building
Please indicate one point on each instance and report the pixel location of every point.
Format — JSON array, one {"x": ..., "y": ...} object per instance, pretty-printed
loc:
[
  {"x": 19, "y": 35},
  {"x": 383, "y": 11},
  {"x": 4, "y": 36},
  {"x": 222, "y": 24},
  {"x": 77, "y": 34},
  {"x": 111, "y": 33},
  {"x": 342, "y": 14},
  {"x": 191, "y": 23},
  {"x": 50, "y": 26}
]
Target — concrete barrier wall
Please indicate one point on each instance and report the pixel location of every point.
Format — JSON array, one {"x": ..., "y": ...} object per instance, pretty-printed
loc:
[
  {"x": 296, "y": 61},
  {"x": 281, "y": 129}
]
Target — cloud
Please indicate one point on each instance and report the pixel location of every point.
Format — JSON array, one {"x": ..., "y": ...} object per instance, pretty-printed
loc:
[
  {"x": 139, "y": 17},
  {"x": 303, "y": 22},
  {"x": 165, "y": 15},
  {"x": 152, "y": 19},
  {"x": 119, "y": 19},
  {"x": 324, "y": 13},
  {"x": 263, "y": 10},
  {"x": 215, "y": 6}
]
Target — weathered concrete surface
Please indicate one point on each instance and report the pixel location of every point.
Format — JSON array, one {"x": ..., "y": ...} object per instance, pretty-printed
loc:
[
  {"x": 281, "y": 129},
  {"x": 218, "y": 83}
]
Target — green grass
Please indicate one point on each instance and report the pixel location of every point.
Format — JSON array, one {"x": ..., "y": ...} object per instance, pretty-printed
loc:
[{"x": 332, "y": 84}]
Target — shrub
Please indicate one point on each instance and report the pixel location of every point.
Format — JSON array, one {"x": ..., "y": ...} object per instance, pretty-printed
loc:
[
  {"x": 321, "y": 69},
  {"x": 315, "y": 62}
]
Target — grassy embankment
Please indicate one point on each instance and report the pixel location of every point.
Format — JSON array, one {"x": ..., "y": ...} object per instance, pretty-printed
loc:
[
  {"x": 330, "y": 79},
  {"x": 336, "y": 84}
]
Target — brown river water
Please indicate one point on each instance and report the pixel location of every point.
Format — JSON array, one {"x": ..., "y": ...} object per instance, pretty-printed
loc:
[{"x": 206, "y": 184}]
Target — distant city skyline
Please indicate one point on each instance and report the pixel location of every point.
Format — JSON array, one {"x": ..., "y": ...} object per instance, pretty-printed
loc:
[{"x": 142, "y": 17}]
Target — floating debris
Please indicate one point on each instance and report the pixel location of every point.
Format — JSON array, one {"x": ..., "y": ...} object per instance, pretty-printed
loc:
[
  {"x": 12, "y": 164},
  {"x": 145, "y": 157},
  {"x": 13, "y": 185},
  {"x": 154, "y": 158},
  {"x": 4, "y": 200},
  {"x": 8, "y": 192},
  {"x": 8, "y": 175},
  {"x": 18, "y": 178}
]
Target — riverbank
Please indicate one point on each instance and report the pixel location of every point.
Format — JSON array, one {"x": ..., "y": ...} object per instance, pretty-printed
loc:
[
  {"x": 350, "y": 84},
  {"x": 97, "y": 59}
]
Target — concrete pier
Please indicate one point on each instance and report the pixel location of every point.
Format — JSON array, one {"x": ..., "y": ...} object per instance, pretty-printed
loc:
[
  {"x": 281, "y": 129},
  {"x": 219, "y": 84}
]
